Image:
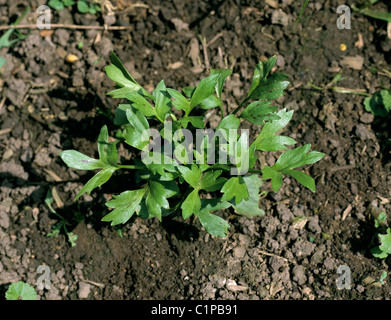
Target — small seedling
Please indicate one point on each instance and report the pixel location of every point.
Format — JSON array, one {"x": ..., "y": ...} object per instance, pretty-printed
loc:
[
  {"x": 384, "y": 249},
  {"x": 380, "y": 219},
  {"x": 383, "y": 276},
  {"x": 5, "y": 39},
  {"x": 379, "y": 104},
  {"x": 169, "y": 179},
  {"x": 21, "y": 291},
  {"x": 63, "y": 223},
  {"x": 83, "y": 6}
]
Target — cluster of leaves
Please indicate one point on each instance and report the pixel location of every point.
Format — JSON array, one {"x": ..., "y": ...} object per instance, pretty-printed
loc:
[
  {"x": 21, "y": 291},
  {"x": 5, "y": 39},
  {"x": 172, "y": 187},
  {"x": 379, "y": 104},
  {"x": 384, "y": 249},
  {"x": 83, "y": 6}
]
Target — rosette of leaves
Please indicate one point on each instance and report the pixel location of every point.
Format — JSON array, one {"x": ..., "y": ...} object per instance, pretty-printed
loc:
[{"x": 180, "y": 187}]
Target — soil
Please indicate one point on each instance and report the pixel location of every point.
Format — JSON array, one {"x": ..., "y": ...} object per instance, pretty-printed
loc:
[{"x": 295, "y": 251}]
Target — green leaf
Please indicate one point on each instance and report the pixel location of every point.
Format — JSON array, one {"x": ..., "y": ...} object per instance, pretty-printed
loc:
[
  {"x": 115, "y": 74},
  {"x": 107, "y": 151},
  {"x": 21, "y": 291},
  {"x": 271, "y": 88},
  {"x": 192, "y": 204},
  {"x": 159, "y": 163},
  {"x": 56, "y": 4},
  {"x": 271, "y": 128},
  {"x": 5, "y": 41},
  {"x": 117, "y": 62},
  {"x": 258, "y": 112},
  {"x": 120, "y": 93},
  {"x": 188, "y": 91},
  {"x": 179, "y": 102},
  {"x": 229, "y": 122},
  {"x": 385, "y": 240},
  {"x": 77, "y": 160},
  {"x": 83, "y": 6},
  {"x": 296, "y": 158},
  {"x": 213, "y": 224},
  {"x": 379, "y": 104},
  {"x": 274, "y": 143},
  {"x": 137, "y": 133},
  {"x": 270, "y": 173},
  {"x": 72, "y": 238},
  {"x": 162, "y": 101},
  {"x": 157, "y": 195},
  {"x": 261, "y": 71},
  {"x": 224, "y": 74},
  {"x": 196, "y": 121},
  {"x": 236, "y": 188},
  {"x": 209, "y": 103},
  {"x": 120, "y": 114},
  {"x": 378, "y": 253},
  {"x": 141, "y": 104},
  {"x": 96, "y": 181},
  {"x": 68, "y": 3},
  {"x": 211, "y": 181},
  {"x": 192, "y": 176},
  {"x": 205, "y": 88},
  {"x": 250, "y": 208},
  {"x": 306, "y": 180},
  {"x": 124, "y": 205}
]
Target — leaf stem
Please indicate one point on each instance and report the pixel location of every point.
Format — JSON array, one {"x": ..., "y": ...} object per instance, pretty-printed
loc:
[
  {"x": 240, "y": 106},
  {"x": 131, "y": 167}
]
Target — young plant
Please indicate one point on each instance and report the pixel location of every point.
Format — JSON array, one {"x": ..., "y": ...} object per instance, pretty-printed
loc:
[
  {"x": 169, "y": 179},
  {"x": 379, "y": 104},
  {"x": 63, "y": 223},
  {"x": 83, "y": 6},
  {"x": 384, "y": 249},
  {"x": 21, "y": 291}
]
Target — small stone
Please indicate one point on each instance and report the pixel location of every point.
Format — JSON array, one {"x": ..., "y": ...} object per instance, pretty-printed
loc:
[
  {"x": 239, "y": 252},
  {"x": 84, "y": 290},
  {"x": 4, "y": 220},
  {"x": 363, "y": 133},
  {"x": 299, "y": 274},
  {"x": 360, "y": 288},
  {"x": 79, "y": 265},
  {"x": 8, "y": 154},
  {"x": 367, "y": 118}
]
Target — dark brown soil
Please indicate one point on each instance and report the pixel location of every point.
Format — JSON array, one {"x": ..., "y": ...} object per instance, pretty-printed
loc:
[{"x": 49, "y": 105}]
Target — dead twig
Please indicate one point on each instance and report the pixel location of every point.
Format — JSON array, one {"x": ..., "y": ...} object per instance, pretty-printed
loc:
[
  {"x": 274, "y": 255},
  {"x": 67, "y": 26}
]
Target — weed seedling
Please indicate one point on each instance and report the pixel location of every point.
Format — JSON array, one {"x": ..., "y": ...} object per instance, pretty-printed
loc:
[
  {"x": 21, "y": 291},
  {"x": 194, "y": 175}
]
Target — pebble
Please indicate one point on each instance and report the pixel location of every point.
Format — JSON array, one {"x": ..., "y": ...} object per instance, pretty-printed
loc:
[
  {"x": 367, "y": 118},
  {"x": 84, "y": 290},
  {"x": 363, "y": 133},
  {"x": 239, "y": 252},
  {"x": 299, "y": 274}
]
